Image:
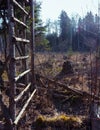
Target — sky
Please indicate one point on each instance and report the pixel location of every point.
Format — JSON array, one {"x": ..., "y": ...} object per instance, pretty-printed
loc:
[{"x": 52, "y": 8}]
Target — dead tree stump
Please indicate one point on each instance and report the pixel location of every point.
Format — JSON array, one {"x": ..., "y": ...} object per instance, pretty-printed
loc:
[{"x": 66, "y": 70}]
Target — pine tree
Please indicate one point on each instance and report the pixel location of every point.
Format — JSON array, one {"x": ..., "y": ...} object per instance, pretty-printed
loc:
[
  {"x": 65, "y": 31},
  {"x": 41, "y": 41}
]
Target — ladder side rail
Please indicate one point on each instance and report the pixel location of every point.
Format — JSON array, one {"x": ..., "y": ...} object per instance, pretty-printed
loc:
[{"x": 12, "y": 66}]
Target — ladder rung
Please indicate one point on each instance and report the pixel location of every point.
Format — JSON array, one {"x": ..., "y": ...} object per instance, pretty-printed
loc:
[
  {"x": 22, "y": 93},
  {"x": 24, "y": 108},
  {"x": 18, "y": 5},
  {"x": 21, "y": 84},
  {"x": 19, "y": 22},
  {"x": 27, "y": 0},
  {"x": 17, "y": 39},
  {"x": 21, "y": 75},
  {"x": 21, "y": 57}
]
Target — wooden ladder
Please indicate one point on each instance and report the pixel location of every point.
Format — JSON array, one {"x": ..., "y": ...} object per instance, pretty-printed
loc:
[{"x": 21, "y": 49}]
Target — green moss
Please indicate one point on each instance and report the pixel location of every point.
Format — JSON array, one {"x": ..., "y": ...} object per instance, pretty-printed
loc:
[{"x": 43, "y": 120}]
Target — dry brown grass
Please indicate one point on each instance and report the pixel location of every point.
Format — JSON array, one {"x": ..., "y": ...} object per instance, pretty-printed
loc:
[{"x": 46, "y": 109}]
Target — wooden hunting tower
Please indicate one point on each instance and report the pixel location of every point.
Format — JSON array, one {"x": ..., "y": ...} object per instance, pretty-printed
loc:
[{"x": 17, "y": 18}]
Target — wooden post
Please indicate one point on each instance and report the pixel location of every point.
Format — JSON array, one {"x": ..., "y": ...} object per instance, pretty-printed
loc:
[
  {"x": 24, "y": 63},
  {"x": 32, "y": 43},
  {"x": 12, "y": 70}
]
